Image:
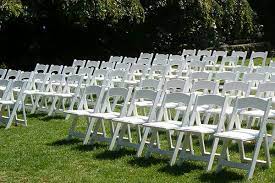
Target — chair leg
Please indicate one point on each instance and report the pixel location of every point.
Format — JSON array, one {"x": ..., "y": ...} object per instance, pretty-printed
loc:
[
  {"x": 170, "y": 141},
  {"x": 94, "y": 134},
  {"x": 12, "y": 115},
  {"x": 254, "y": 158},
  {"x": 241, "y": 150},
  {"x": 223, "y": 154},
  {"x": 202, "y": 145},
  {"x": 142, "y": 143},
  {"x": 267, "y": 153},
  {"x": 89, "y": 130},
  {"x": 212, "y": 155},
  {"x": 129, "y": 133},
  {"x": 116, "y": 132},
  {"x": 150, "y": 146},
  {"x": 176, "y": 150}
]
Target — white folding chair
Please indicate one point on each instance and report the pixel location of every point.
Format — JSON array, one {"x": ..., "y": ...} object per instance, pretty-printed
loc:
[
  {"x": 123, "y": 66},
  {"x": 143, "y": 61},
  {"x": 136, "y": 74},
  {"x": 198, "y": 128},
  {"x": 87, "y": 74},
  {"x": 165, "y": 123},
  {"x": 241, "y": 135},
  {"x": 226, "y": 76},
  {"x": 272, "y": 63},
  {"x": 5, "y": 88},
  {"x": 255, "y": 79},
  {"x": 107, "y": 65},
  {"x": 228, "y": 63},
  {"x": 107, "y": 113},
  {"x": 134, "y": 119},
  {"x": 116, "y": 78},
  {"x": 202, "y": 53},
  {"x": 266, "y": 70},
  {"x": 210, "y": 62},
  {"x": 100, "y": 77},
  {"x": 12, "y": 102},
  {"x": 241, "y": 56},
  {"x": 41, "y": 68},
  {"x": 158, "y": 71},
  {"x": 3, "y": 73},
  {"x": 175, "y": 68},
  {"x": 146, "y": 56},
  {"x": 84, "y": 109},
  {"x": 258, "y": 55},
  {"x": 68, "y": 95},
  {"x": 55, "y": 69},
  {"x": 219, "y": 54},
  {"x": 93, "y": 65}
]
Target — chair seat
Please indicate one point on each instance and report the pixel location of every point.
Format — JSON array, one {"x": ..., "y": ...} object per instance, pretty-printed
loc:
[
  {"x": 30, "y": 92},
  {"x": 80, "y": 112},
  {"x": 144, "y": 103},
  {"x": 229, "y": 110},
  {"x": 171, "y": 76},
  {"x": 44, "y": 93},
  {"x": 204, "y": 129},
  {"x": 117, "y": 80},
  {"x": 2, "y": 88},
  {"x": 133, "y": 82},
  {"x": 199, "y": 108},
  {"x": 7, "y": 102},
  {"x": 257, "y": 113},
  {"x": 108, "y": 115},
  {"x": 167, "y": 125},
  {"x": 135, "y": 120},
  {"x": 64, "y": 95},
  {"x": 240, "y": 134}
]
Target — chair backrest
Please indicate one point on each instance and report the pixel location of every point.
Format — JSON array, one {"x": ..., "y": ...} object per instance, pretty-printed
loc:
[
  {"x": 153, "y": 84},
  {"x": 200, "y": 76},
  {"x": 255, "y": 78},
  {"x": 175, "y": 58},
  {"x": 69, "y": 70},
  {"x": 208, "y": 87},
  {"x": 130, "y": 60},
  {"x": 259, "y": 55},
  {"x": 28, "y": 77},
  {"x": 92, "y": 64},
  {"x": 176, "y": 67},
  {"x": 97, "y": 93},
  {"x": 13, "y": 74},
  {"x": 159, "y": 71},
  {"x": 55, "y": 69},
  {"x": 85, "y": 71},
  {"x": 211, "y": 60},
  {"x": 236, "y": 88},
  {"x": 266, "y": 70},
  {"x": 249, "y": 103},
  {"x": 147, "y": 56},
  {"x": 191, "y": 58},
  {"x": 202, "y": 53},
  {"x": 100, "y": 77},
  {"x": 5, "y": 86},
  {"x": 41, "y": 68},
  {"x": 144, "y": 61},
  {"x": 160, "y": 59},
  {"x": 189, "y": 52},
  {"x": 176, "y": 85},
  {"x": 117, "y": 77},
  {"x": 219, "y": 54},
  {"x": 266, "y": 90},
  {"x": 3, "y": 73},
  {"x": 231, "y": 61},
  {"x": 137, "y": 72},
  {"x": 123, "y": 66},
  {"x": 226, "y": 76},
  {"x": 115, "y": 59},
  {"x": 215, "y": 101},
  {"x": 122, "y": 93},
  {"x": 240, "y": 55},
  {"x": 181, "y": 99},
  {"x": 272, "y": 63},
  {"x": 148, "y": 95},
  {"x": 197, "y": 65},
  {"x": 57, "y": 80},
  {"x": 39, "y": 81},
  {"x": 107, "y": 65},
  {"x": 73, "y": 84},
  {"x": 78, "y": 63},
  {"x": 242, "y": 69},
  {"x": 18, "y": 87}
]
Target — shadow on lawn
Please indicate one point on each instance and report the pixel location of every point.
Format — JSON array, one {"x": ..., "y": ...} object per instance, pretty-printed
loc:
[
  {"x": 64, "y": 142},
  {"x": 223, "y": 176},
  {"x": 182, "y": 169},
  {"x": 112, "y": 155},
  {"x": 85, "y": 148},
  {"x": 146, "y": 162},
  {"x": 45, "y": 117}
]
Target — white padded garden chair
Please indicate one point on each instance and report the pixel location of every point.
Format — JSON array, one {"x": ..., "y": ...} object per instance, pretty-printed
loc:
[
  {"x": 115, "y": 59},
  {"x": 68, "y": 95},
  {"x": 136, "y": 74},
  {"x": 219, "y": 54},
  {"x": 84, "y": 109},
  {"x": 143, "y": 61},
  {"x": 107, "y": 113},
  {"x": 160, "y": 59},
  {"x": 158, "y": 71},
  {"x": 165, "y": 123},
  {"x": 134, "y": 119},
  {"x": 12, "y": 102},
  {"x": 93, "y": 65},
  {"x": 69, "y": 70},
  {"x": 78, "y": 63},
  {"x": 266, "y": 70},
  {"x": 129, "y": 60},
  {"x": 100, "y": 77},
  {"x": 202, "y": 53},
  {"x": 123, "y": 66},
  {"x": 116, "y": 78},
  {"x": 211, "y": 62},
  {"x": 176, "y": 66},
  {"x": 41, "y": 68},
  {"x": 42, "y": 98},
  {"x": 241, "y": 135},
  {"x": 255, "y": 79},
  {"x": 228, "y": 63},
  {"x": 107, "y": 65},
  {"x": 199, "y": 128},
  {"x": 87, "y": 75},
  {"x": 146, "y": 56}
]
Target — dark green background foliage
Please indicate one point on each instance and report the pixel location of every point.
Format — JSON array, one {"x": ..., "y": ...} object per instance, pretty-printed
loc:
[{"x": 56, "y": 31}]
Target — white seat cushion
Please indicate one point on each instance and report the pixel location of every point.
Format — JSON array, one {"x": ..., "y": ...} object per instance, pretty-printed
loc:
[
  {"x": 136, "y": 120},
  {"x": 257, "y": 113},
  {"x": 133, "y": 82},
  {"x": 7, "y": 102},
  {"x": 241, "y": 134},
  {"x": 144, "y": 103},
  {"x": 65, "y": 95},
  {"x": 205, "y": 129},
  {"x": 108, "y": 115},
  {"x": 2, "y": 88},
  {"x": 30, "y": 92},
  {"x": 44, "y": 93},
  {"x": 200, "y": 108},
  {"x": 168, "y": 125},
  {"x": 80, "y": 112},
  {"x": 229, "y": 110}
]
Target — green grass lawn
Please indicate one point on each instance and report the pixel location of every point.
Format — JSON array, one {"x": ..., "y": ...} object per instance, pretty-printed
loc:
[{"x": 41, "y": 153}]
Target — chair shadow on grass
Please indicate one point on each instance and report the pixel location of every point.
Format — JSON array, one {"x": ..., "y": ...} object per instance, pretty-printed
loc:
[
  {"x": 112, "y": 155},
  {"x": 45, "y": 117},
  {"x": 64, "y": 142},
  {"x": 223, "y": 176},
  {"x": 86, "y": 148},
  {"x": 178, "y": 170},
  {"x": 146, "y": 162}
]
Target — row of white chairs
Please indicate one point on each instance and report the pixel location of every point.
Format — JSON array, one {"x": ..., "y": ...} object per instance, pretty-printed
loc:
[{"x": 124, "y": 115}]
